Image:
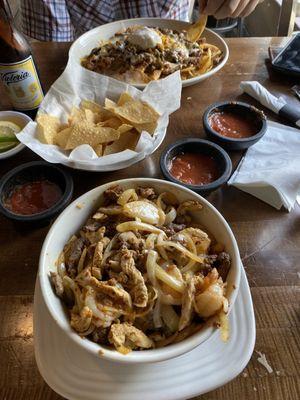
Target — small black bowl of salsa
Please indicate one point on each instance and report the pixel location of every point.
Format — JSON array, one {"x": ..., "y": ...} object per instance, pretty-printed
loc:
[
  {"x": 197, "y": 164},
  {"x": 35, "y": 192},
  {"x": 234, "y": 125}
]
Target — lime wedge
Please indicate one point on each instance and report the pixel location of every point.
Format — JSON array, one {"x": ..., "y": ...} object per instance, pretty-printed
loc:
[
  {"x": 16, "y": 128},
  {"x": 8, "y": 138},
  {"x": 8, "y": 131},
  {"x": 7, "y": 146}
]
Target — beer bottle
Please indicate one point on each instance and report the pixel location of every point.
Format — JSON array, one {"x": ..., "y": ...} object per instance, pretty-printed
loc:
[{"x": 17, "y": 70}]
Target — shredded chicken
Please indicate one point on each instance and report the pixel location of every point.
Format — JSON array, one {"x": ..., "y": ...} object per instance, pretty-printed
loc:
[
  {"x": 126, "y": 337},
  {"x": 132, "y": 279},
  {"x": 99, "y": 216},
  {"x": 81, "y": 322},
  {"x": 97, "y": 260},
  {"x": 112, "y": 294},
  {"x": 58, "y": 283},
  {"x": 94, "y": 236},
  {"x": 190, "y": 205}
]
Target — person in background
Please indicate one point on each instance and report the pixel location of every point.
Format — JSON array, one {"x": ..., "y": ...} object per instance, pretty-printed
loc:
[
  {"x": 228, "y": 8},
  {"x": 64, "y": 20}
]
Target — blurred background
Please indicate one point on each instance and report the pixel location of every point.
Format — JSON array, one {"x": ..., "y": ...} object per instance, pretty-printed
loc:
[{"x": 271, "y": 18}]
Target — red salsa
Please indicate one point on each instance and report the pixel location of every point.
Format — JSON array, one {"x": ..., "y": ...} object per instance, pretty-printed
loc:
[
  {"x": 194, "y": 168},
  {"x": 234, "y": 125},
  {"x": 33, "y": 197}
]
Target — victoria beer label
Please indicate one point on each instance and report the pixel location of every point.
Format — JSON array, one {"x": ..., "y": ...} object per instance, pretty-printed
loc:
[{"x": 17, "y": 69}]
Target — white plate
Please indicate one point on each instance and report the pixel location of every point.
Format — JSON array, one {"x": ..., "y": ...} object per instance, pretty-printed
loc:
[
  {"x": 89, "y": 40},
  {"x": 19, "y": 119},
  {"x": 78, "y": 375}
]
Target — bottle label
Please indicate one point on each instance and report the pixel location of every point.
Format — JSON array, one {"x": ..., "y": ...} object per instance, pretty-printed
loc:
[{"x": 22, "y": 84}]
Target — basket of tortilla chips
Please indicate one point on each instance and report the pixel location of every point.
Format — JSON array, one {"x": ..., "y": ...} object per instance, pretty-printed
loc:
[{"x": 99, "y": 123}]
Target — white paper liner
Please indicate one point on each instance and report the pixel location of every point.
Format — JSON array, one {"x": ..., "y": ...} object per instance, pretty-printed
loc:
[{"x": 76, "y": 84}]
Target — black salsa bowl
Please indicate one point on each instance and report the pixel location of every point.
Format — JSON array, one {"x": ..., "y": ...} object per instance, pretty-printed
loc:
[
  {"x": 245, "y": 110},
  {"x": 30, "y": 172},
  {"x": 200, "y": 146}
]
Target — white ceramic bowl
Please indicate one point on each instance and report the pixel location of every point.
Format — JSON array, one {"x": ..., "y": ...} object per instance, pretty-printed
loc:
[
  {"x": 19, "y": 119},
  {"x": 71, "y": 220},
  {"x": 89, "y": 40}
]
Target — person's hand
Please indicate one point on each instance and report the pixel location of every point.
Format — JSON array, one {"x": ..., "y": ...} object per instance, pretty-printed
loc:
[{"x": 228, "y": 8}]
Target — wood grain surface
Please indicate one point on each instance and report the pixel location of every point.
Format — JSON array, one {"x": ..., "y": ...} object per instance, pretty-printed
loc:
[{"x": 269, "y": 241}]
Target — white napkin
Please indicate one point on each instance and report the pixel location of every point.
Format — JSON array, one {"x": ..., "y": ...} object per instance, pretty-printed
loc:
[
  {"x": 270, "y": 169},
  {"x": 261, "y": 94},
  {"x": 273, "y": 103}
]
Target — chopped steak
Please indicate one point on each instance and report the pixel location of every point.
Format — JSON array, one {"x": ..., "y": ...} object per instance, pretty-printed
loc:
[
  {"x": 223, "y": 264},
  {"x": 146, "y": 193},
  {"x": 172, "y": 228},
  {"x": 112, "y": 194},
  {"x": 73, "y": 254}
]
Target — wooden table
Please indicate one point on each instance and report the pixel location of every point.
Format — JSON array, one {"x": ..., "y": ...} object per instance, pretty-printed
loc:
[{"x": 269, "y": 242}]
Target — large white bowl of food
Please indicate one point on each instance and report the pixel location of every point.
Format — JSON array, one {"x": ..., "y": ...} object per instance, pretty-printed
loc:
[
  {"x": 140, "y": 270},
  {"x": 141, "y": 50}
]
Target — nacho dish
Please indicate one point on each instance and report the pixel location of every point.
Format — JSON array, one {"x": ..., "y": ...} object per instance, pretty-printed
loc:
[
  {"x": 108, "y": 129},
  {"x": 141, "y": 273},
  {"x": 141, "y": 54}
]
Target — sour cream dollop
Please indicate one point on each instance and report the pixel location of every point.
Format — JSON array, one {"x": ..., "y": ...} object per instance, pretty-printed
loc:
[{"x": 145, "y": 38}]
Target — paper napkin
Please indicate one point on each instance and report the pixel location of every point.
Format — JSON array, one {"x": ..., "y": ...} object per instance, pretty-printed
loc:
[
  {"x": 273, "y": 103},
  {"x": 270, "y": 169}
]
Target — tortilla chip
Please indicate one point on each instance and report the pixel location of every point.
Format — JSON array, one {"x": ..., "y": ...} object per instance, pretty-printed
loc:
[
  {"x": 124, "y": 98},
  {"x": 47, "y": 128},
  {"x": 137, "y": 112},
  {"x": 110, "y": 105},
  {"x": 156, "y": 74},
  {"x": 113, "y": 122},
  {"x": 150, "y": 127},
  {"x": 90, "y": 116},
  {"x": 194, "y": 31},
  {"x": 109, "y": 129},
  {"x": 61, "y": 137},
  {"x": 78, "y": 115},
  {"x": 128, "y": 141},
  {"x": 100, "y": 114},
  {"x": 88, "y": 133},
  {"x": 134, "y": 112},
  {"x": 91, "y": 105},
  {"x": 124, "y": 128},
  {"x": 99, "y": 150}
]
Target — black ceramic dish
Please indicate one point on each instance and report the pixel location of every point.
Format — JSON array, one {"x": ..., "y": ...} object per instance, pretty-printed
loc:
[
  {"x": 33, "y": 171},
  {"x": 250, "y": 112},
  {"x": 195, "y": 145}
]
